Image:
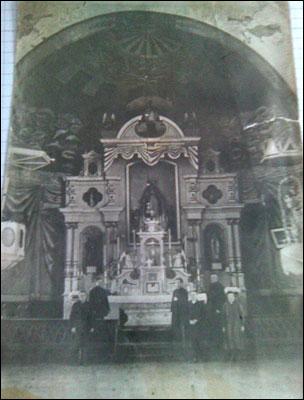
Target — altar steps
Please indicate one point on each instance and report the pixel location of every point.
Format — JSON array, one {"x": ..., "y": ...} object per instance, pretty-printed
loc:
[{"x": 147, "y": 344}]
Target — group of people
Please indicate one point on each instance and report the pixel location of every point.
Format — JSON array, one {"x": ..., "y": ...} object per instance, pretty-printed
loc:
[
  {"x": 86, "y": 315},
  {"x": 210, "y": 326},
  {"x": 205, "y": 325}
]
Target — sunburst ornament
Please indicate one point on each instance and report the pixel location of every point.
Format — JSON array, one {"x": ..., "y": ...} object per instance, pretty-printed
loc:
[{"x": 148, "y": 44}]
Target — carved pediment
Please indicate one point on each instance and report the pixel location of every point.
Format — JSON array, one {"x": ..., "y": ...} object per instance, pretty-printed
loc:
[{"x": 171, "y": 144}]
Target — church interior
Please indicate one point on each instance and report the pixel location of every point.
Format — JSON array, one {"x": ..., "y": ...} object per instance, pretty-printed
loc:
[{"x": 148, "y": 148}]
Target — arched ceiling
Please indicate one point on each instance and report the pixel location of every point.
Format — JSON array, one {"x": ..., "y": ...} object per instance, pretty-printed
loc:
[
  {"x": 149, "y": 54},
  {"x": 263, "y": 26},
  {"x": 189, "y": 66}
]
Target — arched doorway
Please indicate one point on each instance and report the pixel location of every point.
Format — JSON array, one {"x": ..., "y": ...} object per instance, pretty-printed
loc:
[{"x": 92, "y": 240}]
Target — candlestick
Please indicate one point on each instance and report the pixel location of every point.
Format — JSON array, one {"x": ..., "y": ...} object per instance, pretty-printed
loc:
[
  {"x": 170, "y": 247},
  {"x": 185, "y": 244},
  {"x": 134, "y": 239},
  {"x": 105, "y": 255},
  {"x": 118, "y": 247}
]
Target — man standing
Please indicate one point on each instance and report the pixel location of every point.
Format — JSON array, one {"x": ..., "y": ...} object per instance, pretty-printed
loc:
[
  {"x": 179, "y": 309},
  {"x": 216, "y": 299},
  {"x": 233, "y": 327},
  {"x": 81, "y": 325},
  {"x": 98, "y": 299}
]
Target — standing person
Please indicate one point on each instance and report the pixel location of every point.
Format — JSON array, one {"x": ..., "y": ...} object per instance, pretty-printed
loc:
[
  {"x": 99, "y": 304},
  {"x": 216, "y": 300},
  {"x": 197, "y": 326},
  {"x": 98, "y": 299},
  {"x": 81, "y": 325},
  {"x": 179, "y": 309},
  {"x": 233, "y": 327}
]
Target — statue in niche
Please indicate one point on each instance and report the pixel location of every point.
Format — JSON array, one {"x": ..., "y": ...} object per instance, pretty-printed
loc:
[
  {"x": 92, "y": 253},
  {"x": 215, "y": 248},
  {"x": 153, "y": 208}
]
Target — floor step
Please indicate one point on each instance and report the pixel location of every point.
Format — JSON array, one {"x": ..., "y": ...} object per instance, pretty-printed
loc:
[{"x": 146, "y": 344}]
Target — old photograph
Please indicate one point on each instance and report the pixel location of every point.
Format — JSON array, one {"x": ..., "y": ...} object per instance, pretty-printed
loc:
[{"x": 151, "y": 231}]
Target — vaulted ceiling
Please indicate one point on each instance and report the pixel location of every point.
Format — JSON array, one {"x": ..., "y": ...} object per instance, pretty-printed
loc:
[{"x": 142, "y": 54}]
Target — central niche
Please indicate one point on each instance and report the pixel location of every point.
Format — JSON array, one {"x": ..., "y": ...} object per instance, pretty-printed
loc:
[{"x": 153, "y": 190}]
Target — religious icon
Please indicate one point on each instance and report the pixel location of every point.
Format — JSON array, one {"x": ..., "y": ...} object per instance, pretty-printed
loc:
[{"x": 215, "y": 248}]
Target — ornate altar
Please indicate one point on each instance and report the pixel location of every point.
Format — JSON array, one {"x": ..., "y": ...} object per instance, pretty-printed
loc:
[{"x": 151, "y": 214}]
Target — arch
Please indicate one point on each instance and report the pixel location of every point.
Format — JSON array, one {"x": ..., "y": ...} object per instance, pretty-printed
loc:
[
  {"x": 215, "y": 246},
  {"x": 177, "y": 196},
  {"x": 95, "y": 24},
  {"x": 91, "y": 248},
  {"x": 124, "y": 129}
]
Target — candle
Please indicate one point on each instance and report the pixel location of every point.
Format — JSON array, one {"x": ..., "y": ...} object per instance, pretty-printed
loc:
[
  {"x": 118, "y": 247},
  {"x": 134, "y": 239},
  {"x": 198, "y": 274},
  {"x": 170, "y": 247},
  {"x": 185, "y": 244}
]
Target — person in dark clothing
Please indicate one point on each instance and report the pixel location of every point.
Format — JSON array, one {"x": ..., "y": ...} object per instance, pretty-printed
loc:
[
  {"x": 179, "y": 309},
  {"x": 233, "y": 327},
  {"x": 99, "y": 303},
  {"x": 216, "y": 300},
  {"x": 81, "y": 325},
  {"x": 198, "y": 321}
]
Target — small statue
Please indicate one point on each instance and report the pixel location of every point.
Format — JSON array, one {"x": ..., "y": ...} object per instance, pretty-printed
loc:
[
  {"x": 149, "y": 263},
  {"x": 180, "y": 260},
  {"x": 125, "y": 260},
  {"x": 215, "y": 248}
]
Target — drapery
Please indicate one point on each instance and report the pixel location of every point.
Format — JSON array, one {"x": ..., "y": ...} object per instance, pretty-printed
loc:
[
  {"x": 35, "y": 200},
  {"x": 261, "y": 259},
  {"x": 150, "y": 156}
]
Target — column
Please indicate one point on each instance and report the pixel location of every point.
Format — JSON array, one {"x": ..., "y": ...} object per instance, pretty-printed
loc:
[
  {"x": 69, "y": 267},
  {"x": 69, "y": 250},
  {"x": 238, "y": 256},
  {"x": 231, "y": 251},
  {"x": 75, "y": 272},
  {"x": 237, "y": 277},
  {"x": 107, "y": 247}
]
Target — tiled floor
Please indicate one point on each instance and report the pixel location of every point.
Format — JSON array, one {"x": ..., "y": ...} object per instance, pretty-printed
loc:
[{"x": 213, "y": 380}]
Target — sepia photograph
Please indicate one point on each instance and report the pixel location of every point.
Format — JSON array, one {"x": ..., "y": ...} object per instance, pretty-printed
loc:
[{"x": 152, "y": 203}]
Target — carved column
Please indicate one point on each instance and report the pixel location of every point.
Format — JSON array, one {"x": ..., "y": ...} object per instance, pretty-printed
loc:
[
  {"x": 70, "y": 282},
  {"x": 111, "y": 231},
  {"x": 69, "y": 255},
  {"x": 238, "y": 256},
  {"x": 235, "y": 249},
  {"x": 231, "y": 245}
]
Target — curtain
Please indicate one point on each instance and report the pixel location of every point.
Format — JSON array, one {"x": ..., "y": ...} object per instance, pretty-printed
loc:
[{"x": 35, "y": 200}]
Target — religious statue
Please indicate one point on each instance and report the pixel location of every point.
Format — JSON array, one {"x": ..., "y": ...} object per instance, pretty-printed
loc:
[
  {"x": 215, "y": 248},
  {"x": 153, "y": 209},
  {"x": 149, "y": 263},
  {"x": 151, "y": 221},
  {"x": 125, "y": 260},
  {"x": 180, "y": 260}
]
